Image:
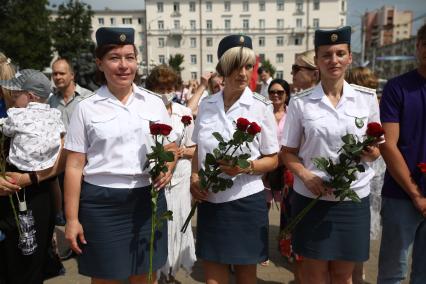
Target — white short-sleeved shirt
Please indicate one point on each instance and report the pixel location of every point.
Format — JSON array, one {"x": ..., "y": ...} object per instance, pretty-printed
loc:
[
  {"x": 183, "y": 166},
  {"x": 212, "y": 118},
  {"x": 315, "y": 127},
  {"x": 116, "y": 137}
]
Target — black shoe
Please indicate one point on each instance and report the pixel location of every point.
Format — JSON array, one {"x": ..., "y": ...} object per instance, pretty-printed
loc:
[{"x": 67, "y": 254}]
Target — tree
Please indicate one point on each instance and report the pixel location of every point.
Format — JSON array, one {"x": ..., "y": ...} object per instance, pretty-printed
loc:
[
  {"x": 175, "y": 61},
  {"x": 71, "y": 33},
  {"x": 24, "y": 33},
  {"x": 268, "y": 66}
]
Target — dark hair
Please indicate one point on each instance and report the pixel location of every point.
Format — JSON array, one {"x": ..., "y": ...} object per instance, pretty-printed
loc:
[
  {"x": 100, "y": 52},
  {"x": 162, "y": 76},
  {"x": 66, "y": 61},
  {"x": 283, "y": 84},
  {"x": 421, "y": 33},
  {"x": 316, "y": 49},
  {"x": 261, "y": 69}
]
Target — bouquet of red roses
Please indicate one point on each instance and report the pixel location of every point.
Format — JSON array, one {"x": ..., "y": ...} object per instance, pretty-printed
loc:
[
  {"x": 342, "y": 172},
  {"x": 210, "y": 176},
  {"x": 157, "y": 161}
]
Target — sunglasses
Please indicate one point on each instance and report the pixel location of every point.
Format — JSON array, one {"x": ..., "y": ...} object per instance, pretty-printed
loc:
[
  {"x": 278, "y": 92},
  {"x": 296, "y": 68}
]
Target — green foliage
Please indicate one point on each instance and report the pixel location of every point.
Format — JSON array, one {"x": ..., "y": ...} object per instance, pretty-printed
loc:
[
  {"x": 25, "y": 32},
  {"x": 175, "y": 61},
  {"x": 268, "y": 66}
]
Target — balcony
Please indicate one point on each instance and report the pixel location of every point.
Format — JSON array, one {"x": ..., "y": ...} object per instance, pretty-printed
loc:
[
  {"x": 298, "y": 12},
  {"x": 298, "y": 30},
  {"x": 176, "y": 32},
  {"x": 175, "y": 14}
]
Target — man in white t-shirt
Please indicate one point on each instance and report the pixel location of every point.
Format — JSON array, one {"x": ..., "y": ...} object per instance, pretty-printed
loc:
[{"x": 265, "y": 78}]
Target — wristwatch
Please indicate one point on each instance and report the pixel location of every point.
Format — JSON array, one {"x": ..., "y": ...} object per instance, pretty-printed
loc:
[{"x": 251, "y": 168}]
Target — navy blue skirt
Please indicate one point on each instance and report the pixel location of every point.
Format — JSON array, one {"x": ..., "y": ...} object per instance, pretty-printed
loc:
[
  {"x": 117, "y": 228},
  {"x": 332, "y": 230},
  {"x": 234, "y": 232}
]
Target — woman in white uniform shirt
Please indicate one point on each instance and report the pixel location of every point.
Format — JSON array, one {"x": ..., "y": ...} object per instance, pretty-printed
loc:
[
  {"x": 232, "y": 225},
  {"x": 333, "y": 235},
  {"x": 107, "y": 190}
]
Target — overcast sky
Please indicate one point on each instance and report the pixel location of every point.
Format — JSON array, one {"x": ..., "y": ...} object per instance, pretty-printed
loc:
[{"x": 355, "y": 9}]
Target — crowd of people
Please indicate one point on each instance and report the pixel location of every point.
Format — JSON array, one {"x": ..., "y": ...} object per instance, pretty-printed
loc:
[{"x": 78, "y": 158}]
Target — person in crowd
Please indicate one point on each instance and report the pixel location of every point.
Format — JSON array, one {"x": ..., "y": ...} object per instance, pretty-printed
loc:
[
  {"x": 5, "y": 74},
  {"x": 107, "y": 189},
  {"x": 316, "y": 120},
  {"x": 402, "y": 110},
  {"x": 305, "y": 72},
  {"x": 181, "y": 248},
  {"x": 265, "y": 80},
  {"x": 363, "y": 76},
  {"x": 215, "y": 83},
  {"x": 239, "y": 213},
  {"x": 14, "y": 266}
]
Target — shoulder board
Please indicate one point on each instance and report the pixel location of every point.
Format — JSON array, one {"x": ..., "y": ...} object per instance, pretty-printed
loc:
[
  {"x": 261, "y": 98},
  {"x": 149, "y": 92},
  {"x": 302, "y": 93},
  {"x": 364, "y": 89}
]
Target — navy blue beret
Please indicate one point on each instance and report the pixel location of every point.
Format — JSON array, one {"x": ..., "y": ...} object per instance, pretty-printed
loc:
[
  {"x": 231, "y": 41},
  {"x": 115, "y": 36},
  {"x": 328, "y": 37}
]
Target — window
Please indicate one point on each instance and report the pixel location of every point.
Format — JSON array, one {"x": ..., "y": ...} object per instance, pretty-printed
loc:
[
  {"x": 141, "y": 48},
  {"x": 246, "y": 24},
  {"x": 280, "y": 40},
  {"x": 140, "y": 21},
  {"x": 299, "y": 6},
  {"x": 101, "y": 21},
  {"x": 280, "y": 5},
  {"x": 193, "y": 42},
  {"x": 176, "y": 7},
  {"x": 112, "y": 21},
  {"x": 262, "y": 41},
  {"x": 160, "y": 7},
  {"x": 280, "y": 23},
  {"x": 176, "y": 24},
  {"x": 342, "y": 23},
  {"x": 160, "y": 42},
  {"x": 191, "y": 6},
  {"x": 316, "y": 4},
  {"x": 126, "y": 21},
  {"x": 298, "y": 23},
  {"x": 193, "y": 75},
  {"x": 193, "y": 25},
  {"x": 279, "y": 58},
  {"x": 279, "y": 75},
  {"x": 262, "y": 24},
  {"x": 245, "y": 6},
  {"x": 209, "y": 6},
  {"x": 193, "y": 59},
  {"x": 316, "y": 23},
  {"x": 262, "y": 57},
  {"x": 161, "y": 59},
  {"x": 161, "y": 25},
  {"x": 209, "y": 41},
  {"x": 209, "y": 24},
  {"x": 227, "y": 24},
  {"x": 262, "y": 6},
  {"x": 343, "y": 8},
  {"x": 298, "y": 40},
  {"x": 176, "y": 43},
  {"x": 227, "y": 6},
  {"x": 209, "y": 58}
]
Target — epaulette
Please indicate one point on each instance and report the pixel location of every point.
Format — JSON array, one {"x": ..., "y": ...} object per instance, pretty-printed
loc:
[
  {"x": 261, "y": 98},
  {"x": 149, "y": 92},
  {"x": 364, "y": 89},
  {"x": 302, "y": 93}
]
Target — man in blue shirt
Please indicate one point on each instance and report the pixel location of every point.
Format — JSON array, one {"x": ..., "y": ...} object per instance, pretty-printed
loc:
[{"x": 403, "y": 114}]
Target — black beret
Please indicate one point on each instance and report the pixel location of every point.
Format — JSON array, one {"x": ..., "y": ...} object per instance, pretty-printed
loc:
[
  {"x": 115, "y": 36},
  {"x": 231, "y": 41},
  {"x": 329, "y": 37}
]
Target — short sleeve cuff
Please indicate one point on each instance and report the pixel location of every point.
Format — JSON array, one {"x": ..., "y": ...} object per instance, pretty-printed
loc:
[{"x": 75, "y": 147}]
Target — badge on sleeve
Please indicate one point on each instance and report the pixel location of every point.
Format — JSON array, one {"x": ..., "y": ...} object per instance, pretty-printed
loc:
[{"x": 359, "y": 122}]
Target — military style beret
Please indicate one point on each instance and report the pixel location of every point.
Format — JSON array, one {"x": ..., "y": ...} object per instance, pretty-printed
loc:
[
  {"x": 115, "y": 36},
  {"x": 329, "y": 37},
  {"x": 231, "y": 41}
]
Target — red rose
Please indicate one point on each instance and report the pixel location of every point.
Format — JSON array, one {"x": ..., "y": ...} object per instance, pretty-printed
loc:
[
  {"x": 186, "y": 120},
  {"x": 154, "y": 128},
  {"x": 159, "y": 128},
  {"x": 165, "y": 129},
  {"x": 288, "y": 178},
  {"x": 254, "y": 128},
  {"x": 374, "y": 129},
  {"x": 422, "y": 167},
  {"x": 242, "y": 124}
]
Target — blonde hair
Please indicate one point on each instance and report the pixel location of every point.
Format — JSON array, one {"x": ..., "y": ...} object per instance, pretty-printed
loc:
[
  {"x": 7, "y": 72},
  {"x": 362, "y": 76},
  {"x": 235, "y": 58},
  {"x": 308, "y": 58}
]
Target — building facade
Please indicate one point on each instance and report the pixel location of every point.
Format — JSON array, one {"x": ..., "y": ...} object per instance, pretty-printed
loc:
[{"x": 279, "y": 29}]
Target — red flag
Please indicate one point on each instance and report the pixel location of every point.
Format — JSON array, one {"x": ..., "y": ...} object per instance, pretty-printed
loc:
[{"x": 254, "y": 76}]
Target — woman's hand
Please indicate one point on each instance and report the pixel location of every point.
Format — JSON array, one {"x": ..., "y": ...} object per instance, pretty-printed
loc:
[
  {"x": 8, "y": 184},
  {"x": 180, "y": 153},
  {"x": 314, "y": 183},
  {"x": 195, "y": 188},
  {"x": 74, "y": 233},
  {"x": 163, "y": 179},
  {"x": 370, "y": 153},
  {"x": 230, "y": 170}
]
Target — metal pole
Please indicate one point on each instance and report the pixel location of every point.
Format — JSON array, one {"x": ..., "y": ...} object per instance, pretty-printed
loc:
[{"x": 363, "y": 32}]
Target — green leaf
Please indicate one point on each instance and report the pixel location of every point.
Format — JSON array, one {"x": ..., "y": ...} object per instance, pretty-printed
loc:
[
  {"x": 166, "y": 156},
  {"x": 216, "y": 153},
  {"x": 218, "y": 136},
  {"x": 321, "y": 163},
  {"x": 360, "y": 168},
  {"x": 242, "y": 163},
  {"x": 349, "y": 139},
  {"x": 244, "y": 156},
  {"x": 210, "y": 159}
]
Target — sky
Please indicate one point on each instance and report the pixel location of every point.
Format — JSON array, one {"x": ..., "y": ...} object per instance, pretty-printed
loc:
[{"x": 355, "y": 9}]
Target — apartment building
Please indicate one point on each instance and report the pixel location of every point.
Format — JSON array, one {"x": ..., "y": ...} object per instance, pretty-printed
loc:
[{"x": 279, "y": 29}]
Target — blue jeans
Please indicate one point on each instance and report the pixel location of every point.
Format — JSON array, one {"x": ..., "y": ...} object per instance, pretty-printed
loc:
[{"x": 403, "y": 227}]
